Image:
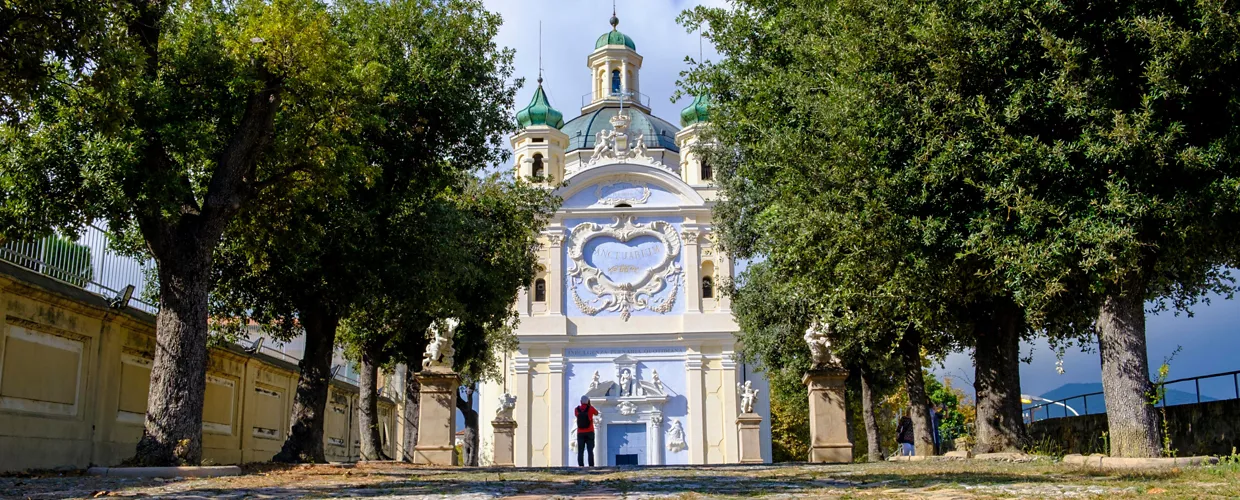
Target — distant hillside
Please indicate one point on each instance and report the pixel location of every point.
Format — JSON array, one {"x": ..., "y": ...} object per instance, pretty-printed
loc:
[{"x": 1096, "y": 403}]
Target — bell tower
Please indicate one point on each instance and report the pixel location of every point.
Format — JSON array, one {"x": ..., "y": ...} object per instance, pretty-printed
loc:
[
  {"x": 539, "y": 144},
  {"x": 695, "y": 169},
  {"x": 615, "y": 67}
]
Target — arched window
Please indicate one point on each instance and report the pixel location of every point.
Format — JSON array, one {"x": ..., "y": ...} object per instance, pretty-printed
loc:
[
  {"x": 538, "y": 165},
  {"x": 540, "y": 290},
  {"x": 707, "y": 172},
  {"x": 615, "y": 81},
  {"x": 708, "y": 287}
]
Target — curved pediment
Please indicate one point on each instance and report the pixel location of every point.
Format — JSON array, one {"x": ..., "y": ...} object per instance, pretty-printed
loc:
[{"x": 628, "y": 184}]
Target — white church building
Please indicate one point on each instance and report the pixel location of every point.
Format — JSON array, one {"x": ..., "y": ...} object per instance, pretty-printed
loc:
[{"x": 627, "y": 309}]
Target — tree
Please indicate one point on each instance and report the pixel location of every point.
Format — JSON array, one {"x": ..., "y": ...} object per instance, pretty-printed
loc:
[
  {"x": 318, "y": 253},
  {"x": 184, "y": 115},
  {"x": 476, "y": 244},
  {"x": 1115, "y": 155}
]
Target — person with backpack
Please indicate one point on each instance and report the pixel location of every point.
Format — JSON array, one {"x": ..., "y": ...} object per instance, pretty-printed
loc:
[
  {"x": 585, "y": 430},
  {"x": 904, "y": 435}
]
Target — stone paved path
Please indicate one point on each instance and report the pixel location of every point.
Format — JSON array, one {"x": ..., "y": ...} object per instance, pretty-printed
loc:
[{"x": 938, "y": 480}]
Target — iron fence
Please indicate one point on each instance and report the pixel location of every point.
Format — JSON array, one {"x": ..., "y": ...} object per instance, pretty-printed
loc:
[
  {"x": 1048, "y": 410},
  {"x": 88, "y": 262}
]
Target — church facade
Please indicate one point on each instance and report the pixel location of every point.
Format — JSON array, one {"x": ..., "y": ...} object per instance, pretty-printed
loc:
[{"x": 627, "y": 309}]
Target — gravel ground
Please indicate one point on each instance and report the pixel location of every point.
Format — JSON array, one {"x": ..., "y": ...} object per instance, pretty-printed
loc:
[{"x": 938, "y": 480}]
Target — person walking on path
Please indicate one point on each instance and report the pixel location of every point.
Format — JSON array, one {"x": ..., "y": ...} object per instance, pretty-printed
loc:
[
  {"x": 904, "y": 435},
  {"x": 585, "y": 430}
]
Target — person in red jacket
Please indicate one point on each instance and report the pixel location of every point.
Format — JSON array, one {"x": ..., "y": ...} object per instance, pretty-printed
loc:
[{"x": 585, "y": 430}]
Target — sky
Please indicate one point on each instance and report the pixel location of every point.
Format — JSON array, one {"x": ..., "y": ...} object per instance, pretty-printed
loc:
[
  {"x": 1208, "y": 342},
  {"x": 569, "y": 29}
]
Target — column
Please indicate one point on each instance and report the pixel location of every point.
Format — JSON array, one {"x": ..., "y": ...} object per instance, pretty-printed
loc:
[
  {"x": 731, "y": 406},
  {"x": 558, "y": 429},
  {"x": 555, "y": 270},
  {"x": 828, "y": 431},
  {"x": 693, "y": 268},
  {"x": 696, "y": 432},
  {"x": 655, "y": 442},
  {"x": 521, "y": 388},
  {"x": 600, "y": 440}
]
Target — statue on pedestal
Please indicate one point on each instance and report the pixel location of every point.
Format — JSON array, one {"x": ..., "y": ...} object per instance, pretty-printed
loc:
[
  {"x": 507, "y": 403},
  {"x": 748, "y": 396},
  {"x": 439, "y": 352},
  {"x": 820, "y": 347}
]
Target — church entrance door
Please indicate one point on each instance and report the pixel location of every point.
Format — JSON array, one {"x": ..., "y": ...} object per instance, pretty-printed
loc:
[{"x": 626, "y": 444}]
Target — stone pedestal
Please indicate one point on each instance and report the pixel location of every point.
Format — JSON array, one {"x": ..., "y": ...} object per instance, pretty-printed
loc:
[
  {"x": 750, "y": 426},
  {"x": 502, "y": 455},
  {"x": 437, "y": 417},
  {"x": 828, "y": 430}
]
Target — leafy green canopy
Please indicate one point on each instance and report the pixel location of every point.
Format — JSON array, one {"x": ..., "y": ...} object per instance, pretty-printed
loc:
[
  {"x": 182, "y": 112},
  {"x": 438, "y": 101}
]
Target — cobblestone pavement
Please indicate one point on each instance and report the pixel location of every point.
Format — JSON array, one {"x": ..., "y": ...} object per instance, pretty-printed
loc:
[{"x": 939, "y": 480}]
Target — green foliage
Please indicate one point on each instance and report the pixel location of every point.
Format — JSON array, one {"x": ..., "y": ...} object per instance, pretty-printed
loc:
[{"x": 953, "y": 419}]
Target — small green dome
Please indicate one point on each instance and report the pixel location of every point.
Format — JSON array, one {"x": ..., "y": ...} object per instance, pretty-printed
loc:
[
  {"x": 698, "y": 111},
  {"x": 614, "y": 37},
  {"x": 540, "y": 112}
]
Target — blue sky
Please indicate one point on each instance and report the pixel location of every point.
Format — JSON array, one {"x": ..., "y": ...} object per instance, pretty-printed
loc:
[{"x": 1209, "y": 341}]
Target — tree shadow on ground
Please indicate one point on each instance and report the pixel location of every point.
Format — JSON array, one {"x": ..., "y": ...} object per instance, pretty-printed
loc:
[{"x": 731, "y": 480}]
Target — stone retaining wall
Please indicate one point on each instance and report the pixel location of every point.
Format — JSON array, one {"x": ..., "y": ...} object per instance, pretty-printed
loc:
[{"x": 1211, "y": 428}]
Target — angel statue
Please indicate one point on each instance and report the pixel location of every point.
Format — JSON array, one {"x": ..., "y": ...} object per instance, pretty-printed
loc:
[
  {"x": 507, "y": 403},
  {"x": 439, "y": 353},
  {"x": 748, "y": 396},
  {"x": 601, "y": 144},
  {"x": 594, "y": 380}
]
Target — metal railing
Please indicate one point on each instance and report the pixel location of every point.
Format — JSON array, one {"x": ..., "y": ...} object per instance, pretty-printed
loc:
[
  {"x": 87, "y": 262},
  {"x": 626, "y": 97},
  {"x": 1064, "y": 405}
]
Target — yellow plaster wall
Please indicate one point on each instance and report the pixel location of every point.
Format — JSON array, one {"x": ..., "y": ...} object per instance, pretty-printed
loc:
[{"x": 74, "y": 377}]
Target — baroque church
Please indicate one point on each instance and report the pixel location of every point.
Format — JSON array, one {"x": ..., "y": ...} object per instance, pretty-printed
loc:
[{"x": 627, "y": 309}]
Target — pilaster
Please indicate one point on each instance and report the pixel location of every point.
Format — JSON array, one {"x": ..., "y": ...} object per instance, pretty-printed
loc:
[
  {"x": 555, "y": 368},
  {"x": 693, "y": 269},
  {"x": 731, "y": 405},
  {"x": 521, "y": 388},
  {"x": 555, "y": 270},
  {"x": 655, "y": 428},
  {"x": 696, "y": 439}
]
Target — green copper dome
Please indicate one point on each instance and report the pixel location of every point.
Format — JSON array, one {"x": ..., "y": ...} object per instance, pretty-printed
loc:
[
  {"x": 540, "y": 112},
  {"x": 698, "y": 111},
  {"x": 614, "y": 37}
]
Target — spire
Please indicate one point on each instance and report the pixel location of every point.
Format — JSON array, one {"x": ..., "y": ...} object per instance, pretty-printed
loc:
[{"x": 540, "y": 68}]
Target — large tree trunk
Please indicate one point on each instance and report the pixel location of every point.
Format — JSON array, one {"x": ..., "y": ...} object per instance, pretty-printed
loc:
[
  {"x": 368, "y": 418},
  {"x": 910, "y": 357},
  {"x": 173, "y": 426},
  {"x": 413, "y": 402},
  {"x": 874, "y": 446},
  {"x": 305, "y": 442},
  {"x": 1000, "y": 424},
  {"x": 466, "y": 405},
  {"x": 1132, "y": 426}
]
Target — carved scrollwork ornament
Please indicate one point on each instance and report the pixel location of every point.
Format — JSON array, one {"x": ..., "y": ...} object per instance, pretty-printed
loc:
[{"x": 625, "y": 297}]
